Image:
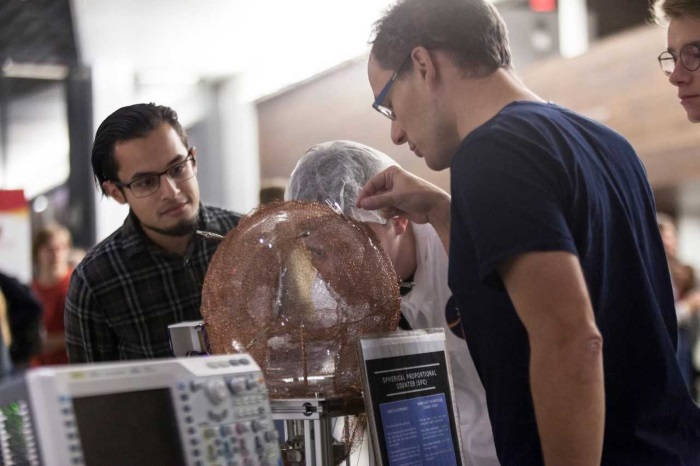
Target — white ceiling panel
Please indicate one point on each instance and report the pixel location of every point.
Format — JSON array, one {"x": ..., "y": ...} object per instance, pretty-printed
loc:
[{"x": 273, "y": 43}]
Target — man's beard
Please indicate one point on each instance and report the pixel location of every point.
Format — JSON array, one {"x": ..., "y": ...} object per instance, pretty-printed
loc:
[{"x": 183, "y": 228}]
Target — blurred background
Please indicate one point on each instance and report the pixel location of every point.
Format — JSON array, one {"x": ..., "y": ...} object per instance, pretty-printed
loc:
[{"x": 257, "y": 82}]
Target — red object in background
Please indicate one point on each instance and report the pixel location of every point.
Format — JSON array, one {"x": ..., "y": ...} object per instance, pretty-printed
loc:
[
  {"x": 12, "y": 199},
  {"x": 543, "y": 6}
]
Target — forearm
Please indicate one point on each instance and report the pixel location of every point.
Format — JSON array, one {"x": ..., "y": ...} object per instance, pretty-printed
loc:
[
  {"x": 54, "y": 342},
  {"x": 687, "y": 307},
  {"x": 549, "y": 293},
  {"x": 439, "y": 218},
  {"x": 568, "y": 394},
  {"x": 683, "y": 313}
]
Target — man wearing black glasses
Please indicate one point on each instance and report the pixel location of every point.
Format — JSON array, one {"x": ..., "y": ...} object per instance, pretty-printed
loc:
[
  {"x": 555, "y": 258},
  {"x": 149, "y": 273},
  {"x": 681, "y": 61}
]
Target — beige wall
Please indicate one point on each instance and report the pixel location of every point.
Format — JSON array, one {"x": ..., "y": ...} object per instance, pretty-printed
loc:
[
  {"x": 617, "y": 82},
  {"x": 336, "y": 105}
]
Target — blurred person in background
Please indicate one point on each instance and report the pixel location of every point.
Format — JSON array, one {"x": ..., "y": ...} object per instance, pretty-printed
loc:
[
  {"x": 681, "y": 61},
  {"x": 687, "y": 300},
  {"x": 555, "y": 256},
  {"x": 20, "y": 324},
  {"x": 24, "y": 316},
  {"x": 75, "y": 256},
  {"x": 5, "y": 339},
  {"x": 336, "y": 171},
  {"x": 50, "y": 251},
  {"x": 149, "y": 273}
]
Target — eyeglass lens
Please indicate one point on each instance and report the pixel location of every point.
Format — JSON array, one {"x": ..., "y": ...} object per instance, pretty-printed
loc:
[
  {"x": 386, "y": 111},
  {"x": 178, "y": 173},
  {"x": 378, "y": 102},
  {"x": 689, "y": 57}
]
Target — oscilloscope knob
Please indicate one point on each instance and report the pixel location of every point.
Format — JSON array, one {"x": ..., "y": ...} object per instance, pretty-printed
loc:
[
  {"x": 236, "y": 386},
  {"x": 216, "y": 391}
]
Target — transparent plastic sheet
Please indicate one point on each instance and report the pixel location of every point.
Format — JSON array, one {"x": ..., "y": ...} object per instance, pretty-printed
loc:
[{"x": 294, "y": 285}]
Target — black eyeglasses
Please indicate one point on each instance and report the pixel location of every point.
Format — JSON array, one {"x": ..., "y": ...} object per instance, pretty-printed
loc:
[
  {"x": 147, "y": 185},
  {"x": 377, "y": 105},
  {"x": 689, "y": 56}
]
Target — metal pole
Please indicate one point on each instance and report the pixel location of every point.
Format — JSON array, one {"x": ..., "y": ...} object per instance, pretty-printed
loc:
[
  {"x": 4, "y": 125},
  {"x": 82, "y": 216}
]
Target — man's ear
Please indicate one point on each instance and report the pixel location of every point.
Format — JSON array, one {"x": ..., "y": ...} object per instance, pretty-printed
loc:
[
  {"x": 114, "y": 192},
  {"x": 399, "y": 224},
  {"x": 425, "y": 63}
]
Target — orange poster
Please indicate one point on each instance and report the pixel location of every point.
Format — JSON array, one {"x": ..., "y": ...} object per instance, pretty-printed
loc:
[{"x": 15, "y": 235}]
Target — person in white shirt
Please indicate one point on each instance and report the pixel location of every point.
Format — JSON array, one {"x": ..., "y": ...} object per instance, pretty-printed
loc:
[{"x": 336, "y": 171}]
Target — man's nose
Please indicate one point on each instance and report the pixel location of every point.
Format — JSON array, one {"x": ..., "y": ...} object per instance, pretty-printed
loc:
[
  {"x": 168, "y": 186},
  {"x": 680, "y": 75},
  {"x": 398, "y": 135}
]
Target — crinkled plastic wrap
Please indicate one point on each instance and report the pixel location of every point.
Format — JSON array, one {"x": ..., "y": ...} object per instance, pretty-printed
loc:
[{"x": 294, "y": 285}]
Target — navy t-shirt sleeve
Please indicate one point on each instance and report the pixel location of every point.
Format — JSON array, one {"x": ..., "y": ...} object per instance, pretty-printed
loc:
[{"x": 510, "y": 192}]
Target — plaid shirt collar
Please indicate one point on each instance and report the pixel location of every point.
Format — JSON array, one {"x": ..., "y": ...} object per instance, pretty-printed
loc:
[{"x": 135, "y": 241}]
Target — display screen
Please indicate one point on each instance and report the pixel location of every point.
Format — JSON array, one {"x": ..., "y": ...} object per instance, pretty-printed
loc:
[
  {"x": 413, "y": 411},
  {"x": 134, "y": 428}
]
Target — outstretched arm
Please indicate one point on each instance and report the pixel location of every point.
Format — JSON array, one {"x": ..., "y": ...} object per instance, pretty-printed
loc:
[
  {"x": 398, "y": 192},
  {"x": 549, "y": 294}
]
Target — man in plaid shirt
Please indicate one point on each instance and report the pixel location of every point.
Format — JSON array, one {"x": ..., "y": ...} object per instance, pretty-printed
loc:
[{"x": 149, "y": 273}]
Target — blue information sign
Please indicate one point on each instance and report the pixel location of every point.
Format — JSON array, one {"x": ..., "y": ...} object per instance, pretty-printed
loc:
[
  {"x": 417, "y": 431},
  {"x": 413, "y": 410}
]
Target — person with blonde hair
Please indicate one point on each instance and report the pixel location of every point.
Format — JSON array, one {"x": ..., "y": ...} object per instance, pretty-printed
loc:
[
  {"x": 681, "y": 60},
  {"x": 50, "y": 251}
]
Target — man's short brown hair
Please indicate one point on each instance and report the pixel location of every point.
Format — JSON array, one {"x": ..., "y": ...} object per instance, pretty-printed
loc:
[
  {"x": 471, "y": 31},
  {"x": 666, "y": 10}
]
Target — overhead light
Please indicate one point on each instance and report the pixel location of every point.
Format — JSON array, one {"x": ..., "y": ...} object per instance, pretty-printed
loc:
[{"x": 12, "y": 69}]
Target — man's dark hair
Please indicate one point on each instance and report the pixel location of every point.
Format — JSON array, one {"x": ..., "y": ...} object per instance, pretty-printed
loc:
[
  {"x": 131, "y": 122},
  {"x": 472, "y": 32}
]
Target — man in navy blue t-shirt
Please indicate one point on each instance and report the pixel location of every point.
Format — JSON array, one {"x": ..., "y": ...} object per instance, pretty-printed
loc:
[{"x": 555, "y": 257}]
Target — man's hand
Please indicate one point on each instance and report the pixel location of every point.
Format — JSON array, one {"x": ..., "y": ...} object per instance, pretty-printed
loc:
[
  {"x": 550, "y": 296},
  {"x": 687, "y": 307},
  {"x": 692, "y": 302},
  {"x": 397, "y": 192}
]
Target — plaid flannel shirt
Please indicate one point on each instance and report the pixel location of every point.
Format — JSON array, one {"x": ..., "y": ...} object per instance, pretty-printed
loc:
[{"x": 126, "y": 291}]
